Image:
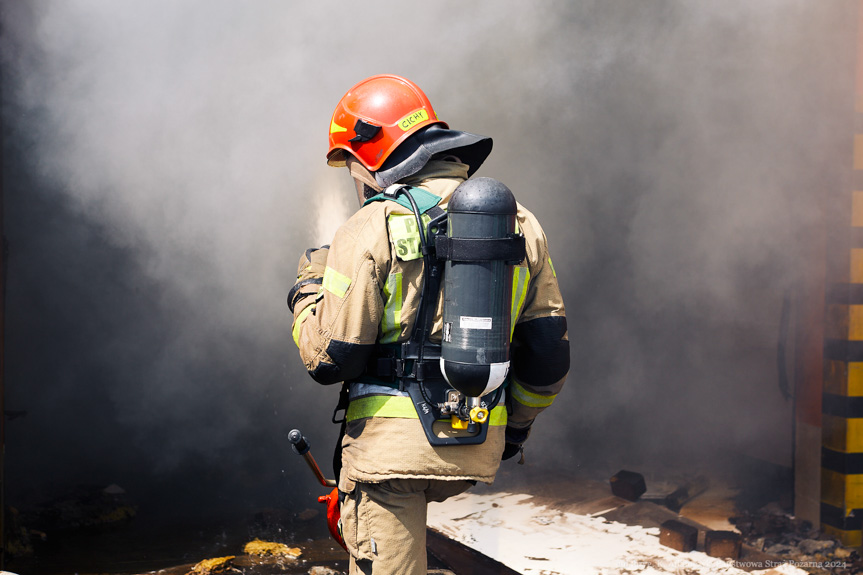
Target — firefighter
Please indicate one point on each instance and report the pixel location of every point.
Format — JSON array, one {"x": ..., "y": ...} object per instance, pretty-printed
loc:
[{"x": 357, "y": 301}]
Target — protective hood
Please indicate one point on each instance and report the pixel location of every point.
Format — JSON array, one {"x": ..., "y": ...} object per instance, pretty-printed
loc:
[{"x": 415, "y": 152}]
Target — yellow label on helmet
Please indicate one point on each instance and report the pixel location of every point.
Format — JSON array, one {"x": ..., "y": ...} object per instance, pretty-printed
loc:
[
  {"x": 414, "y": 118},
  {"x": 336, "y": 128}
]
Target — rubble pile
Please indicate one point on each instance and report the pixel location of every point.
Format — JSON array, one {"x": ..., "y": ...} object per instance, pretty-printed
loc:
[
  {"x": 92, "y": 508},
  {"x": 18, "y": 537},
  {"x": 779, "y": 534}
]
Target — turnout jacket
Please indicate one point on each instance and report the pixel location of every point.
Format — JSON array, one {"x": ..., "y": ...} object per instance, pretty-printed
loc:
[{"x": 364, "y": 291}]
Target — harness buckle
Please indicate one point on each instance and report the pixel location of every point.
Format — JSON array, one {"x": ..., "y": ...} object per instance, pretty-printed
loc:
[
  {"x": 399, "y": 367},
  {"x": 342, "y": 405},
  {"x": 392, "y": 191}
]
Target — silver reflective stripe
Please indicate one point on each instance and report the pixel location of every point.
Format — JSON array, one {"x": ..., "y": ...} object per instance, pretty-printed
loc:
[
  {"x": 530, "y": 399},
  {"x": 358, "y": 390}
]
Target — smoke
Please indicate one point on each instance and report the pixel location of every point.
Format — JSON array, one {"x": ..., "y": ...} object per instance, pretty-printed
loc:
[
  {"x": 333, "y": 205},
  {"x": 164, "y": 169}
]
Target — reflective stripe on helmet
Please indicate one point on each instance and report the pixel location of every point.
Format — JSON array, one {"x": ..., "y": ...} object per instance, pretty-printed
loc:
[
  {"x": 402, "y": 407},
  {"x": 528, "y": 398}
]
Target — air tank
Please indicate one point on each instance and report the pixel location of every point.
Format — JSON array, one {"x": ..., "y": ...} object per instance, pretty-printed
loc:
[{"x": 477, "y": 290}]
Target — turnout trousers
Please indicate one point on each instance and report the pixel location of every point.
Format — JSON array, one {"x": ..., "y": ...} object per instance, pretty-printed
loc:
[{"x": 384, "y": 524}]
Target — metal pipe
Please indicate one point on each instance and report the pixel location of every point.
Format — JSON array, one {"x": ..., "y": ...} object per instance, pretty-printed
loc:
[{"x": 301, "y": 446}]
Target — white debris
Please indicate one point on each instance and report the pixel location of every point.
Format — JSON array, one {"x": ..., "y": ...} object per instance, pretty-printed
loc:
[
  {"x": 535, "y": 539},
  {"x": 813, "y": 546}
]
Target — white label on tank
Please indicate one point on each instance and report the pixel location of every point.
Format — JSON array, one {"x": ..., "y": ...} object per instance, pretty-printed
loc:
[{"x": 468, "y": 322}]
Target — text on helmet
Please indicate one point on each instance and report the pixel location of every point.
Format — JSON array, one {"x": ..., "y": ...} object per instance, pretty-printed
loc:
[{"x": 412, "y": 119}]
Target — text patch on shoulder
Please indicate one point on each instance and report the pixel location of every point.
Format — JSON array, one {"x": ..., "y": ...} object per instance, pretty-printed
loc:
[{"x": 405, "y": 236}]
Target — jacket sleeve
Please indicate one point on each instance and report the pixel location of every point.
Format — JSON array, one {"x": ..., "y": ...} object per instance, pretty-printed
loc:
[
  {"x": 540, "y": 345},
  {"x": 335, "y": 330}
]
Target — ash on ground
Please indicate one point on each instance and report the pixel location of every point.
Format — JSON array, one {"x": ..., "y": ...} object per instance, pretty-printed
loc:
[{"x": 778, "y": 533}]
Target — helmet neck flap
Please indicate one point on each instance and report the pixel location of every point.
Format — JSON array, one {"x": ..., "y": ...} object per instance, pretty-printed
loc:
[{"x": 415, "y": 152}]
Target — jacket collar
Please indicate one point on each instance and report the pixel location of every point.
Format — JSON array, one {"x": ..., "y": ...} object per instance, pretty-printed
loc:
[{"x": 436, "y": 170}]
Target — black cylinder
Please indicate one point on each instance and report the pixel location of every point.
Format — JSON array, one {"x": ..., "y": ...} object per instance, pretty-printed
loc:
[{"x": 478, "y": 294}]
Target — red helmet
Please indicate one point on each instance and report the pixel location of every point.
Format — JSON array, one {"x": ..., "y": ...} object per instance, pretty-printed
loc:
[{"x": 375, "y": 116}]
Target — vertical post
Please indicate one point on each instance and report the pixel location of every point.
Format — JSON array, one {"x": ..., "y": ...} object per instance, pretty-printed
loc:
[
  {"x": 3, "y": 258},
  {"x": 808, "y": 360},
  {"x": 842, "y": 400}
]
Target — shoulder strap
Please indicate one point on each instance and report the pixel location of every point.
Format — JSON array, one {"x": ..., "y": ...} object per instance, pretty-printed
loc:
[
  {"x": 424, "y": 199},
  {"x": 344, "y": 401}
]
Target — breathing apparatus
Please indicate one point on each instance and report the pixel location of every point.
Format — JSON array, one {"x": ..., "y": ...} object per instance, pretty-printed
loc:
[{"x": 468, "y": 252}]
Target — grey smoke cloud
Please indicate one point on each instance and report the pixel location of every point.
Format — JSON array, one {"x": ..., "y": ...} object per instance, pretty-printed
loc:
[{"x": 164, "y": 162}]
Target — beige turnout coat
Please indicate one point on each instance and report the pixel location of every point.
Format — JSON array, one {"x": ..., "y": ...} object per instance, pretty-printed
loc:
[{"x": 369, "y": 294}]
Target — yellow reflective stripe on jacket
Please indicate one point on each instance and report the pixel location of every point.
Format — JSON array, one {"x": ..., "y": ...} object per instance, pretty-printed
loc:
[
  {"x": 382, "y": 406},
  {"x": 497, "y": 416},
  {"x": 336, "y": 283},
  {"x": 403, "y": 407},
  {"x": 520, "y": 278},
  {"x": 391, "y": 321},
  {"x": 299, "y": 323},
  {"x": 554, "y": 273},
  {"x": 528, "y": 398}
]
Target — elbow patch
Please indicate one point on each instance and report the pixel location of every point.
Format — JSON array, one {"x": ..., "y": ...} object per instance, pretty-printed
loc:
[
  {"x": 349, "y": 362},
  {"x": 541, "y": 356}
]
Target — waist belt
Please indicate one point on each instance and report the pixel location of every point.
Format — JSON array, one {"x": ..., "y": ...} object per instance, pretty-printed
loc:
[{"x": 390, "y": 364}]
